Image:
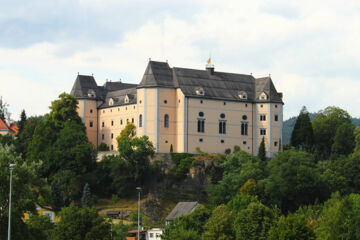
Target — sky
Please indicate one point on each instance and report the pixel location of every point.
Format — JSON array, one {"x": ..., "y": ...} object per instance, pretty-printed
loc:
[{"x": 310, "y": 48}]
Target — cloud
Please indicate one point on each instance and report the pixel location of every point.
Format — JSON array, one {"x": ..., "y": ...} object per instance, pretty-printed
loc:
[{"x": 310, "y": 49}]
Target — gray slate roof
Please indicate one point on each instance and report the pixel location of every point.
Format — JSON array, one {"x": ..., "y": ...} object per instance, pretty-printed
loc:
[
  {"x": 180, "y": 209},
  {"x": 216, "y": 85}
]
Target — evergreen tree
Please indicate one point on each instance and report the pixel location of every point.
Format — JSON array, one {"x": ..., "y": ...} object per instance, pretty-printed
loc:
[
  {"x": 86, "y": 200},
  {"x": 280, "y": 147},
  {"x": 22, "y": 121},
  {"x": 302, "y": 136},
  {"x": 262, "y": 151}
]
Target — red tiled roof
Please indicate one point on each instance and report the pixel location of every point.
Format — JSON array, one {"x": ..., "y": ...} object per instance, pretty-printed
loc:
[
  {"x": 3, "y": 125},
  {"x": 15, "y": 128}
]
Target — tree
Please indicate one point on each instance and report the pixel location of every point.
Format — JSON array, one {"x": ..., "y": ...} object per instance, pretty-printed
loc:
[
  {"x": 81, "y": 224},
  {"x": 254, "y": 222},
  {"x": 219, "y": 225},
  {"x": 24, "y": 196},
  {"x": 57, "y": 198},
  {"x": 23, "y": 119},
  {"x": 292, "y": 227},
  {"x": 86, "y": 200},
  {"x": 302, "y": 136},
  {"x": 262, "y": 151},
  {"x": 293, "y": 180},
  {"x": 344, "y": 140},
  {"x": 25, "y": 136},
  {"x": 135, "y": 150},
  {"x": 238, "y": 168},
  {"x": 61, "y": 144},
  {"x": 357, "y": 138},
  {"x": 339, "y": 218},
  {"x": 325, "y": 126},
  {"x": 3, "y": 109},
  {"x": 40, "y": 227},
  {"x": 103, "y": 147}
]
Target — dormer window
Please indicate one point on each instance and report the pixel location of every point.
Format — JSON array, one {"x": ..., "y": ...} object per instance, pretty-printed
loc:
[
  {"x": 126, "y": 99},
  {"x": 111, "y": 102},
  {"x": 200, "y": 91},
  {"x": 91, "y": 93},
  {"x": 263, "y": 96},
  {"x": 242, "y": 95}
]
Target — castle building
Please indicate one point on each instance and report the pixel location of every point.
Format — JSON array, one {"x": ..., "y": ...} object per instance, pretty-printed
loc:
[{"x": 185, "y": 108}]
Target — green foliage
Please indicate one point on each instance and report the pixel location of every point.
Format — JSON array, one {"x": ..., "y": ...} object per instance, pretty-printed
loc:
[
  {"x": 357, "y": 138},
  {"x": 293, "y": 180},
  {"x": 103, "y": 147},
  {"x": 26, "y": 134},
  {"x": 262, "y": 151},
  {"x": 57, "y": 199},
  {"x": 241, "y": 202},
  {"x": 3, "y": 109},
  {"x": 238, "y": 168},
  {"x": 81, "y": 224},
  {"x": 325, "y": 126},
  {"x": 254, "y": 222},
  {"x": 135, "y": 150},
  {"x": 227, "y": 151},
  {"x": 250, "y": 188},
  {"x": 21, "y": 123},
  {"x": 292, "y": 227},
  {"x": 339, "y": 218},
  {"x": 303, "y": 136},
  {"x": 236, "y": 149},
  {"x": 344, "y": 140},
  {"x": 183, "y": 162},
  {"x": 23, "y": 194},
  {"x": 120, "y": 230},
  {"x": 40, "y": 227},
  {"x": 7, "y": 140},
  {"x": 86, "y": 199},
  {"x": 219, "y": 225}
]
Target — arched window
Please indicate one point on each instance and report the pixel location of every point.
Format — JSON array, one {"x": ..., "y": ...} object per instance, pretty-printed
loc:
[
  {"x": 166, "y": 121},
  {"x": 140, "y": 120}
]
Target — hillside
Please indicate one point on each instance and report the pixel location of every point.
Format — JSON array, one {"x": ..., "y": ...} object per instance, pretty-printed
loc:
[{"x": 289, "y": 124}]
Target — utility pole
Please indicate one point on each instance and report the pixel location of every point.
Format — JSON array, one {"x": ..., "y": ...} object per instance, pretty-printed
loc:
[
  {"x": 11, "y": 167},
  {"x": 138, "y": 233}
]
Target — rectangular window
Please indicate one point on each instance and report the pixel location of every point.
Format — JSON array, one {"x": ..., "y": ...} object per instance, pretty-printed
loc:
[
  {"x": 263, "y": 131},
  {"x": 112, "y": 136},
  {"x": 244, "y": 128},
  {"x": 201, "y": 125},
  {"x": 222, "y": 127},
  {"x": 121, "y": 122},
  {"x": 244, "y": 142},
  {"x": 276, "y": 118},
  {"x": 91, "y": 110},
  {"x": 112, "y": 123},
  {"x": 140, "y": 120},
  {"x": 103, "y": 124},
  {"x": 102, "y": 136},
  {"x": 132, "y": 120},
  {"x": 112, "y": 147},
  {"x": 91, "y": 123},
  {"x": 262, "y": 117},
  {"x": 275, "y": 144}
]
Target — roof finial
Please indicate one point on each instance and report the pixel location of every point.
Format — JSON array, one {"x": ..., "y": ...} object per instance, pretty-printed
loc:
[
  {"x": 269, "y": 74},
  {"x": 251, "y": 73},
  {"x": 78, "y": 73},
  {"x": 92, "y": 74},
  {"x": 149, "y": 59}
]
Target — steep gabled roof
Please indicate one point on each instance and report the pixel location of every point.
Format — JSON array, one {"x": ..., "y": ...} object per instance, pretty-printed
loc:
[
  {"x": 180, "y": 209},
  {"x": 267, "y": 86},
  {"x": 157, "y": 74},
  {"x": 119, "y": 97},
  {"x": 3, "y": 125},
  {"x": 14, "y": 128}
]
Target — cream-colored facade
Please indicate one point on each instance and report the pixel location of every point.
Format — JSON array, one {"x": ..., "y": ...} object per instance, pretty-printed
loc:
[{"x": 173, "y": 108}]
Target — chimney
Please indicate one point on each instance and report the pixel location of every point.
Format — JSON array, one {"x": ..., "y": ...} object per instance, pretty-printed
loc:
[{"x": 210, "y": 68}]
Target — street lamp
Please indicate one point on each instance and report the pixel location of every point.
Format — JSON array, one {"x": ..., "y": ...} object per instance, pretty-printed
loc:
[
  {"x": 11, "y": 167},
  {"x": 138, "y": 233}
]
